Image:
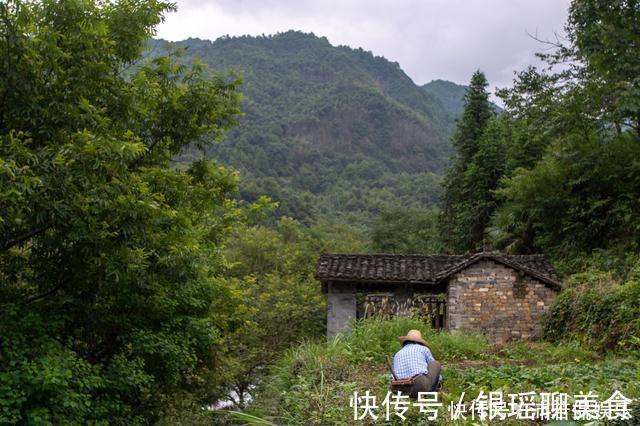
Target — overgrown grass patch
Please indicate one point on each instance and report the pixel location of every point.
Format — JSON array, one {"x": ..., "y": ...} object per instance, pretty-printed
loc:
[
  {"x": 373, "y": 339},
  {"x": 540, "y": 352},
  {"x": 312, "y": 384}
]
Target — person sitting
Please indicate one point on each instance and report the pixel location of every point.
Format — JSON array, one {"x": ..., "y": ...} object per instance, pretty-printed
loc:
[{"x": 415, "y": 361}]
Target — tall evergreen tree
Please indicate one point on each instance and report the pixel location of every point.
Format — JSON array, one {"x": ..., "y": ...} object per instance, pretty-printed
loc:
[
  {"x": 481, "y": 178},
  {"x": 456, "y": 231},
  {"x": 477, "y": 112}
]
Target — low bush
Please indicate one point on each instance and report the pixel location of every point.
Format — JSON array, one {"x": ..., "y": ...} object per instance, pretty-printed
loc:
[{"x": 597, "y": 310}]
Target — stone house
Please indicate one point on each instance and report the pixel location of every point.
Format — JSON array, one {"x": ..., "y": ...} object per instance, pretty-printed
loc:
[{"x": 502, "y": 296}]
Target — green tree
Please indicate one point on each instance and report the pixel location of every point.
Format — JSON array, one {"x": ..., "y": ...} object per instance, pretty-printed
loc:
[
  {"x": 604, "y": 36},
  {"x": 582, "y": 196},
  {"x": 573, "y": 180},
  {"x": 111, "y": 303},
  {"x": 457, "y": 233},
  {"x": 406, "y": 231},
  {"x": 477, "y": 112},
  {"x": 273, "y": 271},
  {"x": 481, "y": 178}
]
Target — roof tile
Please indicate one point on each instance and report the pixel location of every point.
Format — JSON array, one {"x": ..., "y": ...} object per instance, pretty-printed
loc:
[{"x": 423, "y": 269}]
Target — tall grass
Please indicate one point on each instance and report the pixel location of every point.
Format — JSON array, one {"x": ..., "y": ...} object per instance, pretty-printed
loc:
[
  {"x": 372, "y": 339},
  {"x": 312, "y": 383}
]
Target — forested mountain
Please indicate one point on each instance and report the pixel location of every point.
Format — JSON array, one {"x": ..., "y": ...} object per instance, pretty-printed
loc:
[
  {"x": 328, "y": 132},
  {"x": 450, "y": 94}
]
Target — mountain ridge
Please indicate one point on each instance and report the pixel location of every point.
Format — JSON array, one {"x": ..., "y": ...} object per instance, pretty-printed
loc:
[{"x": 329, "y": 131}]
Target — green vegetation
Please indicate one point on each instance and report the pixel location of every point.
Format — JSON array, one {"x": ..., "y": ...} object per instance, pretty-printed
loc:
[
  {"x": 450, "y": 95},
  {"x": 141, "y": 281},
  {"x": 111, "y": 305},
  {"x": 330, "y": 133},
  {"x": 401, "y": 230},
  {"x": 312, "y": 383},
  {"x": 587, "y": 117},
  {"x": 272, "y": 271},
  {"x": 473, "y": 171},
  {"x": 557, "y": 171},
  {"x": 598, "y": 310}
]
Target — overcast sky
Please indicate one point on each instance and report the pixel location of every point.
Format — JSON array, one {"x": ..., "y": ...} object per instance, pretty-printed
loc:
[{"x": 430, "y": 39}]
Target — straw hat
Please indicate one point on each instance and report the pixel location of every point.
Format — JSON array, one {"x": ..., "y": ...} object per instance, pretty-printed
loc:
[{"x": 413, "y": 336}]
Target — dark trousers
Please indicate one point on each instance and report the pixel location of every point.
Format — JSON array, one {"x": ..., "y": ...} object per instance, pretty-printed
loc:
[{"x": 426, "y": 382}]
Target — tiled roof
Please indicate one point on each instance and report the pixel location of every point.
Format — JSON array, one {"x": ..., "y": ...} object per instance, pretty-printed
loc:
[{"x": 396, "y": 268}]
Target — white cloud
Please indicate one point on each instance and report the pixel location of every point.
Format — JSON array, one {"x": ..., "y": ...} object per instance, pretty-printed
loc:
[{"x": 431, "y": 39}]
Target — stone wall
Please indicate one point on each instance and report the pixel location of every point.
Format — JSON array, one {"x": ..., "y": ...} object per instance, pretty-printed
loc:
[{"x": 496, "y": 300}]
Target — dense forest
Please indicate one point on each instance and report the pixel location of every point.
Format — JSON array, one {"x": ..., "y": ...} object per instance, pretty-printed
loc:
[
  {"x": 330, "y": 133},
  {"x": 162, "y": 207}
]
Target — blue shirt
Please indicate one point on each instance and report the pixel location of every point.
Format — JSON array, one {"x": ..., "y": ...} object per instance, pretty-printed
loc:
[{"x": 412, "y": 359}]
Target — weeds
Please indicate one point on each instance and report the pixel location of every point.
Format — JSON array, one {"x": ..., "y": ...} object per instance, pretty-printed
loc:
[{"x": 312, "y": 384}]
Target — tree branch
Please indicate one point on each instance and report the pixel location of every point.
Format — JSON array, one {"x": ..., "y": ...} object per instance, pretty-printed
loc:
[
  {"x": 45, "y": 294},
  {"x": 21, "y": 239},
  {"x": 557, "y": 44},
  {"x": 133, "y": 166}
]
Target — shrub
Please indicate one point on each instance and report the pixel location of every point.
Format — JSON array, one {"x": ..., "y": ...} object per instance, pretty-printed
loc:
[{"x": 596, "y": 310}]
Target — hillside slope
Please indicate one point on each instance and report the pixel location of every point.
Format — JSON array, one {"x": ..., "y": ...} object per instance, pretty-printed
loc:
[
  {"x": 329, "y": 132},
  {"x": 450, "y": 94}
]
